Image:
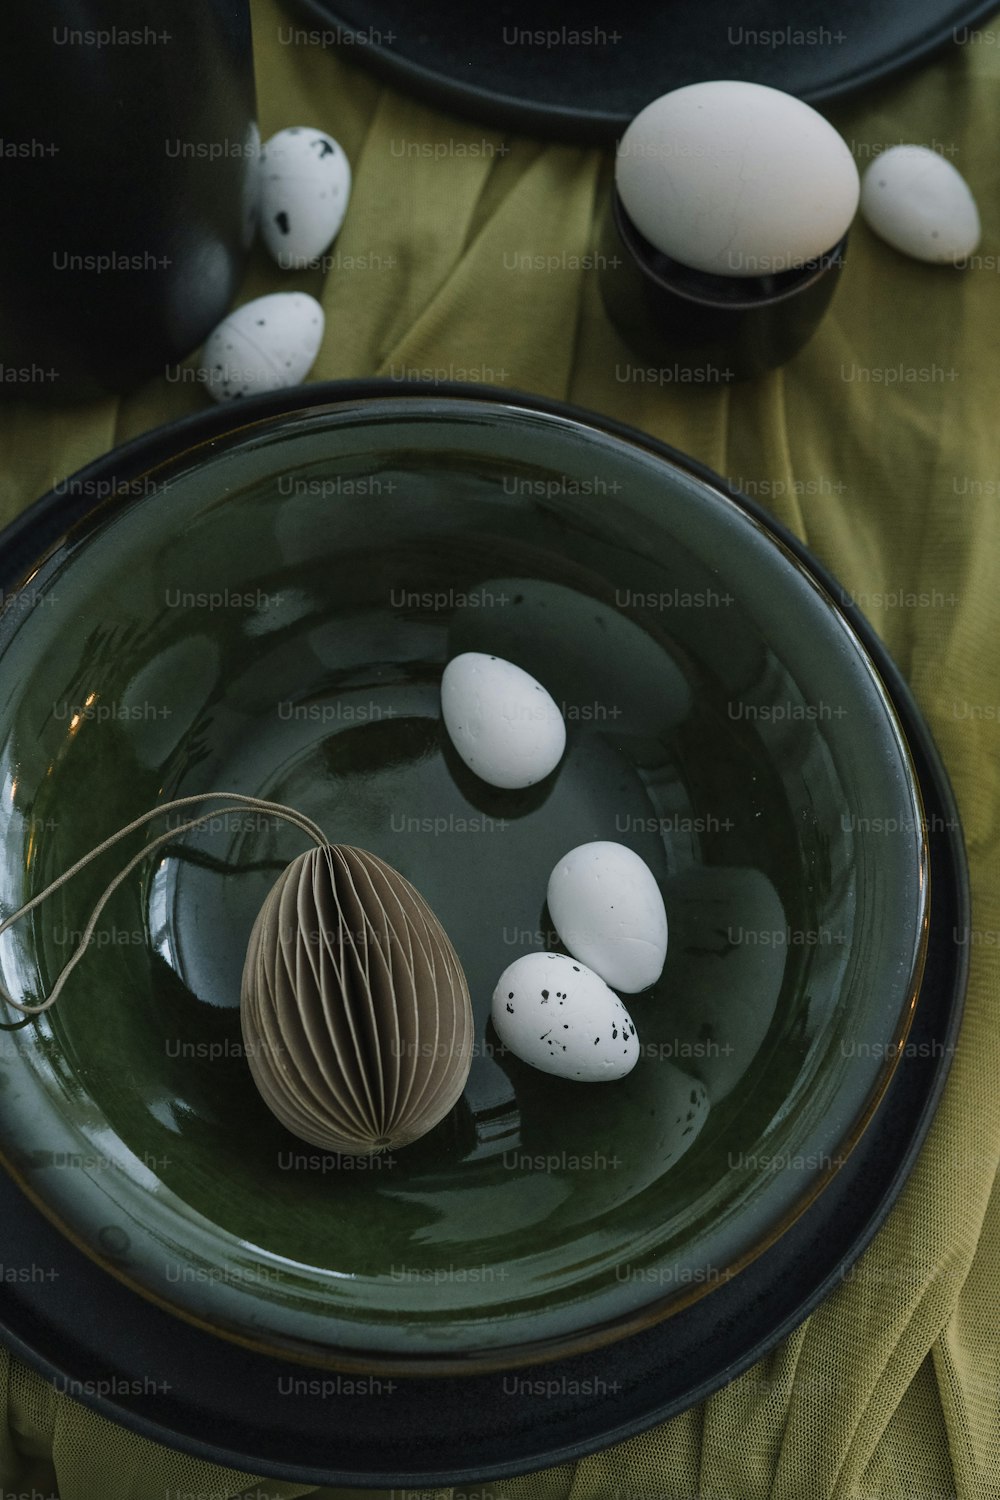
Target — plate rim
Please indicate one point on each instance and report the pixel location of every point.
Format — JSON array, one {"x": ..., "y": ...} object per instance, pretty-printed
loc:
[{"x": 582, "y": 126}]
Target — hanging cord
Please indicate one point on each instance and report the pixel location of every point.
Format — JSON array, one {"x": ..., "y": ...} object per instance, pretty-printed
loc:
[{"x": 242, "y": 803}]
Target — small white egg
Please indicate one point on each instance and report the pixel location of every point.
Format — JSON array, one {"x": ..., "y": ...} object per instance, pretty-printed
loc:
[
  {"x": 920, "y": 204},
  {"x": 736, "y": 179},
  {"x": 262, "y": 346},
  {"x": 560, "y": 1017},
  {"x": 305, "y": 182},
  {"x": 503, "y": 723},
  {"x": 607, "y": 908}
]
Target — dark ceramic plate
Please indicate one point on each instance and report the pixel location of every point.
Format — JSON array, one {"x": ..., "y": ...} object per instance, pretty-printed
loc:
[
  {"x": 176, "y": 1383},
  {"x": 270, "y": 613},
  {"x": 468, "y": 58}
]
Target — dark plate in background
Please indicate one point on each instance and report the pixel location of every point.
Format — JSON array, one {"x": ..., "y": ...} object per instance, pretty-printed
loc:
[
  {"x": 466, "y": 57},
  {"x": 160, "y": 1376}
]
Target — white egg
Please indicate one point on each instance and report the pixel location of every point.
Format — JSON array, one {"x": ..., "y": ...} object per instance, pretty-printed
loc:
[
  {"x": 503, "y": 723},
  {"x": 917, "y": 201},
  {"x": 607, "y": 908},
  {"x": 262, "y": 346},
  {"x": 560, "y": 1017},
  {"x": 305, "y": 182},
  {"x": 736, "y": 179}
]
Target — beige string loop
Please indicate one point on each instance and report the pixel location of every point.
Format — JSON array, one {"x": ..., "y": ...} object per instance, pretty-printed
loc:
[{"x": 242, "y": 803}]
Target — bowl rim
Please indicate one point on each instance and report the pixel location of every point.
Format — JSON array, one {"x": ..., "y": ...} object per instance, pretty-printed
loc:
[{"x": 93, "y": 497}]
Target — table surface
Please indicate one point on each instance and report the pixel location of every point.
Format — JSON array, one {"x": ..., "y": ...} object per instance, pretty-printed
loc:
[{"x": 465, "y": 256}]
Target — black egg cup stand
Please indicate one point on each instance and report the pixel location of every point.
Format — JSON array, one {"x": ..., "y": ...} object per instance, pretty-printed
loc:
[{"x": 187, "y": 1389}]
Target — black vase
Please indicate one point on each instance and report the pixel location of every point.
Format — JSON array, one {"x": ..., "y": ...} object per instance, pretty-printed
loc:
[{"x": 128, "y": 171}]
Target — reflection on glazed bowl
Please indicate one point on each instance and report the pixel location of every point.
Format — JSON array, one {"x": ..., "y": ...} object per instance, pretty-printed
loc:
[{"x": 270, "y": 612}]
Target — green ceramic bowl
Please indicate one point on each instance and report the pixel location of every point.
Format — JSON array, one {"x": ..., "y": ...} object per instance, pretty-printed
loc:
[{"x": 270, "y": 612}]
